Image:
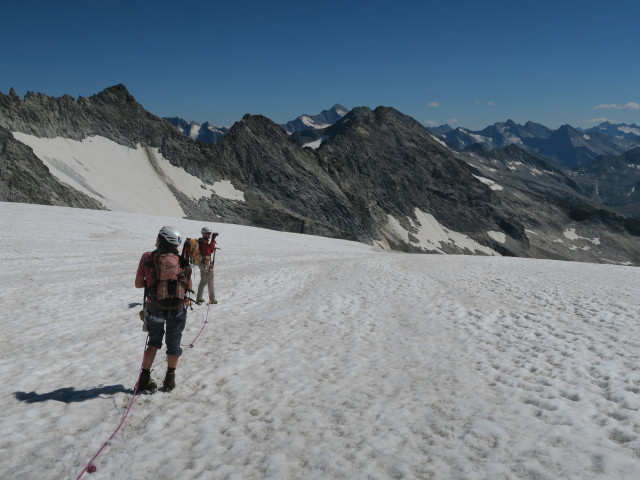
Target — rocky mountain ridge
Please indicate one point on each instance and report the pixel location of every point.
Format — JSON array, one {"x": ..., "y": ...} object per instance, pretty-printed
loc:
[
  {"x": 378, "y": 177},
  {"x": 616, "y": 130},
  {"x": 569, "y": 146},
  {"x": 208, "y": 133}
]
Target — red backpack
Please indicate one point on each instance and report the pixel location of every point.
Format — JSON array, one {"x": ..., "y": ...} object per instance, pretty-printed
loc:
[{"x": 170, "y": 280}]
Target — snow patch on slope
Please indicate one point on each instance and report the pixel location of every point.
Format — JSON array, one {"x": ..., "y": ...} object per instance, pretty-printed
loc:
[
  {"x": 629, "y": 129},
  {"x": 122, "y": 178},
  {"x": 490, "y": 183},
  {"x": 432, "y": 236},
  {"x": 514, "y": 165},
  {"x": 316, "y": 143},
  {"x": 311, "y": 123},
  {"x": 441, "y": 142},
  {"x": 497, "y": 236},
  {"x": 225, "y": 189},
  {"x": 571, "y": 234},
  {"x": 480, "y": 139}
]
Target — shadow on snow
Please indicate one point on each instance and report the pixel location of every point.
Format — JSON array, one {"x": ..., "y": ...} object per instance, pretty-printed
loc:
[{"x": 70, "y": 394}]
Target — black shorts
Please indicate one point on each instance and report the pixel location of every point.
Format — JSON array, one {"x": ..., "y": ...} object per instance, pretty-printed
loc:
[{"x": 175, "y": 321}]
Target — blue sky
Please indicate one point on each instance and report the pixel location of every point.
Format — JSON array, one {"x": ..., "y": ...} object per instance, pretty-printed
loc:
[{"x": 466, "y": 63}]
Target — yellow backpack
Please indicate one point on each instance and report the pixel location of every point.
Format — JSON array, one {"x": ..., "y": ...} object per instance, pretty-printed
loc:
[{"x": 191, "y": 251}]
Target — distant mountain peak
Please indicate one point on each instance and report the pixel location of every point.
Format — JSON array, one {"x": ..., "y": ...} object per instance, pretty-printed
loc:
[
  {"x": 619, "y": 130},
  {"x": 340, "y": 109},
  {"x": 115, "y": 95},
  {"x": 323, "y": 119},
  {"x": 118, "y": 90},
  {"x": 205, "y": 133}
]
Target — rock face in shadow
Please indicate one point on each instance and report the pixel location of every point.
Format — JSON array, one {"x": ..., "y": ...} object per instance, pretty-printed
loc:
[
  {"x": 614, "y": 180},
  {"x": 378, "y": 177}
]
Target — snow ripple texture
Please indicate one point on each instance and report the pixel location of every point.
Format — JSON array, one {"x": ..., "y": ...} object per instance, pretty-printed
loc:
[{"x": 324, "y": 359}]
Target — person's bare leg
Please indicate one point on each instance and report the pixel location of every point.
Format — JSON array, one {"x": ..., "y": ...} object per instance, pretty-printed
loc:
[
  {"x": 149, "y": 357},
  {"x": 172, "y": 361}
]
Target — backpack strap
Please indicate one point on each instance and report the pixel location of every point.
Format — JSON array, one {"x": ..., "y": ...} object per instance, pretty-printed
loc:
[
  {"x": 153, "y": 260},
  {"x": 187, "y": 252}
]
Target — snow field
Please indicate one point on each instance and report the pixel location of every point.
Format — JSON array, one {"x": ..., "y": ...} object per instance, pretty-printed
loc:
[{"x": 323, "y": 359}]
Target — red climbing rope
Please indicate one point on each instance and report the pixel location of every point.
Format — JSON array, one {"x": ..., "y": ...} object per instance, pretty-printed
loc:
[
  {"x": 90, "y": 466},
  {"x": 204, "y": 324}
]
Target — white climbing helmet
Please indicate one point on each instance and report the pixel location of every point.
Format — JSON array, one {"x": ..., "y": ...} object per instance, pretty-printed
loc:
[
  {"x": 171, "y": 235},
  {"x": 205, "y": 230}
]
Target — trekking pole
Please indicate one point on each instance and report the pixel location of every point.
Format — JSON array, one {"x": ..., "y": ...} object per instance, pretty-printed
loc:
[
  {"x": 213, "y": 260},
  {"x": 212, "y": 277}
]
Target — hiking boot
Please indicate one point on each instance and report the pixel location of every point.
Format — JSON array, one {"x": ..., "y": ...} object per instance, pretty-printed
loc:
[
  {"x": 214, "y": 301},
  {"x": 169, "y": 381},
  {"x": 146, "y": 383},
  {"x": 200, "y": 301}
]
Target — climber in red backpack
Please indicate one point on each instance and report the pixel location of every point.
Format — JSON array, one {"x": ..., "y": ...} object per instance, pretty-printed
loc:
[
  {"x": 166, "y": 277},
  {"x": 199, "y": 252}
]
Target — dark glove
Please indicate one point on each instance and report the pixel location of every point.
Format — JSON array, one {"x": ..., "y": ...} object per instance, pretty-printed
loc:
[{"x": 214, "y": 235}]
